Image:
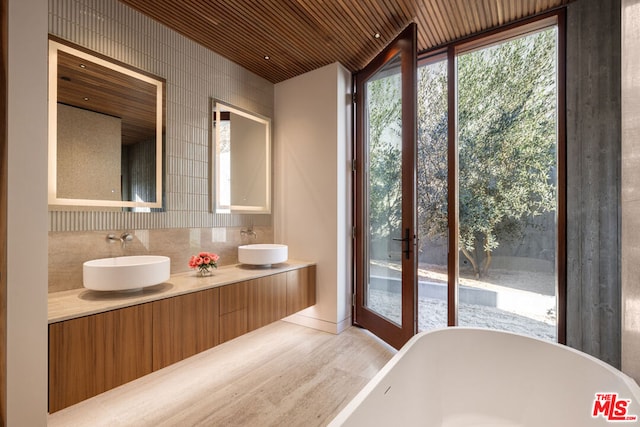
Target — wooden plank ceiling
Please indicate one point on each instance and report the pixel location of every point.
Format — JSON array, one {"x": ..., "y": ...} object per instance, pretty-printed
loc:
[{"x": 301, "y": 35}]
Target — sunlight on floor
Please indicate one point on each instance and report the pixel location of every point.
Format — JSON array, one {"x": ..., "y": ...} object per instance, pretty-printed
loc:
[{"x": 521, "y": 302}]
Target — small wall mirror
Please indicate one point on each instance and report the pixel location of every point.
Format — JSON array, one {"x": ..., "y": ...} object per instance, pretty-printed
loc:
[
  {"x": 106, "y": 125},
  {"x": 241, "y": 160}
]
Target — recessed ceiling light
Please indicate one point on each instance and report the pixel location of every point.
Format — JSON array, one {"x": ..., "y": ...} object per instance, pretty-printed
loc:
[
  {"x": 82, "y": 66},
  {"x": 267, "y": 57},
  {"x": 376, "y": 35},
  {"x": 86, "y": 98}
]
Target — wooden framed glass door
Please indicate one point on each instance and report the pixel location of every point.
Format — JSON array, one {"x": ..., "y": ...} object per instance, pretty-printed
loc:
[{"x": 385, "y": 192}]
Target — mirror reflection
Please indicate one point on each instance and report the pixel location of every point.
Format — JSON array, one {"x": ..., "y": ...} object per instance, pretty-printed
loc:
[
  {"x": 242, "y": 160},
  {"x": 105, "y": 133}
]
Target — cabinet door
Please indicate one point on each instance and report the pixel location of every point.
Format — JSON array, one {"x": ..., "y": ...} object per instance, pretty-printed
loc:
[
  {"x": 93, "y": 354},
  {"x": 301, "y": 289},
  {"x": 183, "y": 326},
  {"x": 233, "y": 311},
  {"x": 267, "y": 300}
]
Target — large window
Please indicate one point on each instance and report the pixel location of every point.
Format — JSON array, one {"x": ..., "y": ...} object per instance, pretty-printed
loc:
[
  {"x": 432, "y": 193},
  {"x": 485, "y": 246},
  {"x": 505, "y": 115},
  {"x": 507, "y": 154}
]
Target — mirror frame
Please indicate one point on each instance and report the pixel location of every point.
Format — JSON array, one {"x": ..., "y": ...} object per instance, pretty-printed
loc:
[
  {"x": 56, "y": 45},
  {"x": 217, "y": 107}
]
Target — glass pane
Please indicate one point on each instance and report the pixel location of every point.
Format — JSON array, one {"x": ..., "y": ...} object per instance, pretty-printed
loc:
[
  {"x": 383, "y": 141},
  {"x": 432, "y": 195},
  {"x": 507, "y": 141}
]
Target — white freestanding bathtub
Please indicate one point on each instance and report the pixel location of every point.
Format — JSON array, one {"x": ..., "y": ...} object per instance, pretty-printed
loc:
[{"x": 477, "y": 377}]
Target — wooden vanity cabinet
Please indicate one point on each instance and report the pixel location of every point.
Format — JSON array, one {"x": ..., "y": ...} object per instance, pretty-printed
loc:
[
  {"x": 301, "y": 289},
  {"x": 93, "y": 354},
  {"x": 184, "y": 325},
  {"x": 249, "y": 305}
]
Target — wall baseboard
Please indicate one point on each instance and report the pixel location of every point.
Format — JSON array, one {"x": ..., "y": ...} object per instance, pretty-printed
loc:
[{"x": 322, "y": 325}]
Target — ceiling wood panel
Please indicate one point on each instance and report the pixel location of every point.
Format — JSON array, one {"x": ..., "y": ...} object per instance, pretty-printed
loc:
[{"x": 302, "y": 35}]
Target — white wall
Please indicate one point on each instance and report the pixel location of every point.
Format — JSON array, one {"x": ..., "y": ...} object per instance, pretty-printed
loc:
[
  {"x": 27, "y": 214},
  {"x": 312, "y": 192}
]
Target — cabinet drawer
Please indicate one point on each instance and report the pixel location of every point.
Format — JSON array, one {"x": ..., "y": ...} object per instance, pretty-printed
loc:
[
  {"x": 183, "y": 326},
  {"x": 266, "y": 300}
]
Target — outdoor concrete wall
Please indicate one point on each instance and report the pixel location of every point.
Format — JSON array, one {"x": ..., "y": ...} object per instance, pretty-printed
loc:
[{"x": 593, "y": 171}]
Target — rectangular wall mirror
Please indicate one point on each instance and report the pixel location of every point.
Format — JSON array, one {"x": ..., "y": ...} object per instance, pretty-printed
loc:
[
  {"x": 106, "y": 126},
  {"x": 241, "y": 160}
]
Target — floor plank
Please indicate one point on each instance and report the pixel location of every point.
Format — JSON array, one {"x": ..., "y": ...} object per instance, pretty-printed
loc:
[{"x": 281, "y": 374}]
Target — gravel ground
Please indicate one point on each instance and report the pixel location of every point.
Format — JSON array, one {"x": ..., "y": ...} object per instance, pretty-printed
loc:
[{"x": 432, "y": 314}]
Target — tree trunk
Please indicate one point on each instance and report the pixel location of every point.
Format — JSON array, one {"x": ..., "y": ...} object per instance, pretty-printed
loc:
[
  {"x": 487, "y": 262},
  {"x": 473, "y": 262}
]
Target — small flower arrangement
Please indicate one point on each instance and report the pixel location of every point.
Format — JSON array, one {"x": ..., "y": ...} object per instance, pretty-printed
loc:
[{"x": 203, "y": 262}]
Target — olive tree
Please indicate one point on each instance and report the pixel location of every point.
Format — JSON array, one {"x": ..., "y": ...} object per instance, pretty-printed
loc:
[
  {"x": 506, "y": 144},
  {"x": 383, "y": 122}
]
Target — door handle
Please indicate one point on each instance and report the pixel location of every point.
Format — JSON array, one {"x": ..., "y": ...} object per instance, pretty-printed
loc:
[{"x": 407, "y": 243}]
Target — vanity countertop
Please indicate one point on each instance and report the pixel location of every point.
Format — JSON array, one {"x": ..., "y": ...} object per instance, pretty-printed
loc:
[{"x": 74, "y": 303}]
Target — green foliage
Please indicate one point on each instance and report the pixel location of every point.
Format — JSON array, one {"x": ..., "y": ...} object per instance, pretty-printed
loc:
[
  {"x": 384, "y": 101},
  {"x": 506, "y": 140},
  {"x": 432, "y": 151}
]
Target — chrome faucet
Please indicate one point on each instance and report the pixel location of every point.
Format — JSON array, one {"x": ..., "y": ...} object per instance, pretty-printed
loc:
[
  {"x": 124, "y": 238},
  {"x": 248, "y": 232}
]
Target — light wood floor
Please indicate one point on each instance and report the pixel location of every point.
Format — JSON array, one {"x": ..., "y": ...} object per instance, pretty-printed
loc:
[{"x": 279, "y": 375}]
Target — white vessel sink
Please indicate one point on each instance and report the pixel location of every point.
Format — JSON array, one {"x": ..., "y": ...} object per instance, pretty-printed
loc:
[
  {"x": 125, "y": 273},
  {"x": 263, "y": 254}
]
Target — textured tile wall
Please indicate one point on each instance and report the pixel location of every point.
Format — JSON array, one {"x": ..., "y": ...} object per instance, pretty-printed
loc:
[{"x": 193, "y": 75}]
